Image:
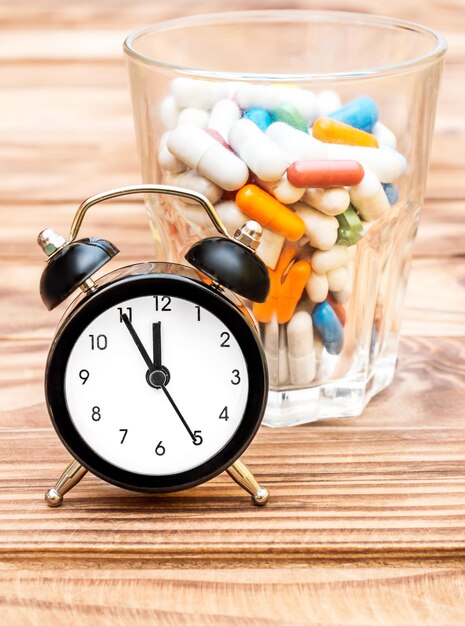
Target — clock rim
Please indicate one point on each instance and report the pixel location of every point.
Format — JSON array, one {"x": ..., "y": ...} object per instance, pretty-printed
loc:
[{"x": 133, "y": 286}]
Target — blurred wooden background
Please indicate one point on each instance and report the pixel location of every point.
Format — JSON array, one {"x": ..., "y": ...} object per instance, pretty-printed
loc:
[{"x": 367, "y": 519}]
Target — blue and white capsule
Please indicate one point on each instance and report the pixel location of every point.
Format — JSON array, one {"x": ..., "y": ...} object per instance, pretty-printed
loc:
[
  {"x": 328, "y": 325},
  {"x": 360, "y": 113}
]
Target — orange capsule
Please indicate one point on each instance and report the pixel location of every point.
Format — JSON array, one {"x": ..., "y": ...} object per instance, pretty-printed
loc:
[
  {"x": 332, "y": 131},
  {"x": 325, "y": 173},
  {"x": 262, "y": 207},
  {"x": 286, "y": 292}
]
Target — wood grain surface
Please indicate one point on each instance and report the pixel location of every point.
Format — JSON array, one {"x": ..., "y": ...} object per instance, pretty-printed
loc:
[{"x": 366, "y": 524}]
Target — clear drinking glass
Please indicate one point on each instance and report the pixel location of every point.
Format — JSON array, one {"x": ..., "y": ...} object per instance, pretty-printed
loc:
[{"x": 179, "y": 69}]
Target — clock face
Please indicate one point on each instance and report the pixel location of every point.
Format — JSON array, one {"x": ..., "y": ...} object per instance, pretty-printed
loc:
[{"x": 156, "y": 385}]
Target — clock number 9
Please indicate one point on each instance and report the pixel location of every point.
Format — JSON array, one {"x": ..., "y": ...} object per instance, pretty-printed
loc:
[
  {"x": 237, "y": 377},
  {"x": 84, "y": 376},
  {"x": 160, "y": 449},
  {"x": 96, "y": 413}
]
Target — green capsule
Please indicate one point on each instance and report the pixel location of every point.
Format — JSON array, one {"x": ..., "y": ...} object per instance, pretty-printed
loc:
[
  {"x": 286, "y": 112},
  {"x": 350, "y": 227}
]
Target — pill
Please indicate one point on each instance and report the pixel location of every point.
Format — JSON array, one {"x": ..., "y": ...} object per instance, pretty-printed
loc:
[
  {"x": 274, "y": 343},
  {"x": 295, "y": 144},
  {"x": 286, "y": 112},
  {"x": 223, "y": 115},
  {"x": 320, "y": 229},
  {"x": 167, "y": 160},
  {"x": 327, "y": 101},
  {"x": 262, "y": 207},
  {"x": 267, "y": 97},
  {"x": 331, "y": 201},
  {"x": 361, "y": 113},
  {"x": 270, "y": 247},
  {"x": 194, "y": 147},
  {"x": 231, "y": 216},
  {"x": 325, "y": 261},
  {"x": 260, "y": 117},
  {"x": 195, "y": 116},
  {"x": 384, "y": 135},
  {"x": 301, "y": 353},
  {"x": 332, "y": 131},
  {"x": 282, "y": 190},
  {"x": 337, "y": 278},
  {"x": 317, "y": 287},
  {"x": 350, "y": 228},
  {"x": 169, "y": 112},
  {"x": 328, "y": 325},
  {"x": 369, "y": 198},
  {"x": 391, "y": 191},
  {"x": 324, "y": 173},
  {"x": 338, "y": 308},
  {"x": 216, "y": 135},
  {"x": 257, "y": 150},
  {"x": 196, "y": 182},
  {"x": 287, "y": 283},
  {"x": 189, "y": 92},
  {"x": 344, "y": 295},
  {"x": 387, "y": 164}
]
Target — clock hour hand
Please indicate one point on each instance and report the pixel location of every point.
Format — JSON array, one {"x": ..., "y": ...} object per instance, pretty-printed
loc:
[
  {"x": 137, "y": 341},
  {"x": 186, "y": 425},
  {"x": 156, "y": 338}
]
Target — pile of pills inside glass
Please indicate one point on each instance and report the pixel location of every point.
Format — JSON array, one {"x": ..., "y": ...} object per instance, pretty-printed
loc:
[{"x": 313, "y": 172}]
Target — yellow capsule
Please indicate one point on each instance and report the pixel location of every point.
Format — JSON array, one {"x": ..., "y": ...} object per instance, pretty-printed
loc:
[{"x": 331, "y": 131}]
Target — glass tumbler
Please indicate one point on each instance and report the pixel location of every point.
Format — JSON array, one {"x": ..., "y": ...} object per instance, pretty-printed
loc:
[{"x": 317, "y": 125}]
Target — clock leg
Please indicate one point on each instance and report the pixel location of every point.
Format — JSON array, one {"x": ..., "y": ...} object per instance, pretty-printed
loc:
[
  {"x": 241, "y": 474},
  {"x": 69, "y": 479}
]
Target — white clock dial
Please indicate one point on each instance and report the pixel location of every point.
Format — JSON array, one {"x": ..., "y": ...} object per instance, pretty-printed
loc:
[{"x": 135, "y": 426}]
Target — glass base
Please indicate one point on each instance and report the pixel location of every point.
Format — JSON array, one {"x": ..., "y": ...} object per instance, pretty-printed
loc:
[{"x": 344, "y": 398}]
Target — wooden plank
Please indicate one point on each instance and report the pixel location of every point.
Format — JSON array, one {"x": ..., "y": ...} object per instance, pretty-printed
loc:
[{"x": 232, "y": 597}]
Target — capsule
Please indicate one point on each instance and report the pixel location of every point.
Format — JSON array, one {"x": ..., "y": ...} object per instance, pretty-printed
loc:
[
  {"x": 193, "y": 180},
  {"x": 193, "y": 115},
  {"x": 282, "y": 190},
  {"x": 190, "y": 92},
  {"x": 328, "y": 325},
  {"x": 286, "y": 112},
  {"x": 223, "y": 115},
  {"x": 337, "y": 278},
  {"x": 194, "y": 147},
  {"x": 331, "y": 201},
  {"x": 331, "y": 131},
  {"x": 350, "y": 228},
  {"x": 285, "y": 291},
  {"x": 369, "y": 198},
  {"x": 268, "y": 97},
  {"x": 317, "y": 287},
  {"x": 387, "y": 164},
  {"x": 169, "y": 112},
  {"x": 391, "y": 191},
  {"x": 260, "y": 117},
  {"x": 324, "y": 173},
  {"x": 385, "y": 136},
  {"x": 218, "y": 137},
  {"x": 301, "y": 353},
  {"x": 258, "y": 151},
  {"x": 262, "y": 207},
  {"x": 274, "y": 343},
  {"x": 320, "y": 229},
  {"x": 327, "y": 101},
  {"x": 295, "y": 144},
  {"x": 361, "y": 113},
  {"x": 325, "y": 261},
  {"x": 167, "y": 160}
]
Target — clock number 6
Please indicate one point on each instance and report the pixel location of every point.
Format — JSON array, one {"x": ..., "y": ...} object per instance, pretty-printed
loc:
[
  {"x": 160, "y": 449},
  {"x": 237, "y": 378}
]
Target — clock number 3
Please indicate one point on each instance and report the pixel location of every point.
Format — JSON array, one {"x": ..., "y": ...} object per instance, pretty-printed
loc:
[{"x": 236, "y": 377}]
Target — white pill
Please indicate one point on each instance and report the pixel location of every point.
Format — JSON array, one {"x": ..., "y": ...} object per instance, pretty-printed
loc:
[
  {"x": 296, "y": 145},
  {"x": 343, "y": 296},
  {"x": 337, "y": 278},
  {"x": 387, "y": 164},
  {"x": 269, "y": 97},
  {"x": 320, "y": 229},
  {"x": 270, "y": 247},
  {"x": 332, "y": 201},
  {"x": 385, "y": 136},
  {"x": 327, "y": 102},
  {"x": 169, "y": 112},
  {"x": 193, "y": 115},
  {"x": 317, "y": 287},
  {"x": 189, "y": 92},
  {"x": 167, "y": 160},
  {"x": 231, "y": 215},
  {"x": 194, "y": 147},
  {"x": 301, "y": 353},
  {"x": 222, "y": 117},
  {"x": 260, "y": 153},
  {"x": 276, "y": 353},
  {"x": 325, "y": 261},
  {"x": 282, "y": 190},
  {"x": 369, "y": 197},
  {"x": 196, "y": 182}
]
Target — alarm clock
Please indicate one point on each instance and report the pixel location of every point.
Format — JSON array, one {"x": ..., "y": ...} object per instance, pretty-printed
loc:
[{"x": 156, "y": 380}]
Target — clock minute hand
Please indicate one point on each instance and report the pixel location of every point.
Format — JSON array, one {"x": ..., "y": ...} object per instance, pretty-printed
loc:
[
  {"x": 178, "y": 412},
  {"x": 137, "y": 341}
]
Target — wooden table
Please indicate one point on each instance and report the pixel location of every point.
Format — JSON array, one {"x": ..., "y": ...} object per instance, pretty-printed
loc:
[{"x": 366, "y": 524}]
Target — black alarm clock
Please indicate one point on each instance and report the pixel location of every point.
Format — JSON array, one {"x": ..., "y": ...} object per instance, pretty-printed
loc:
[{"x": 156, "y": 380}]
